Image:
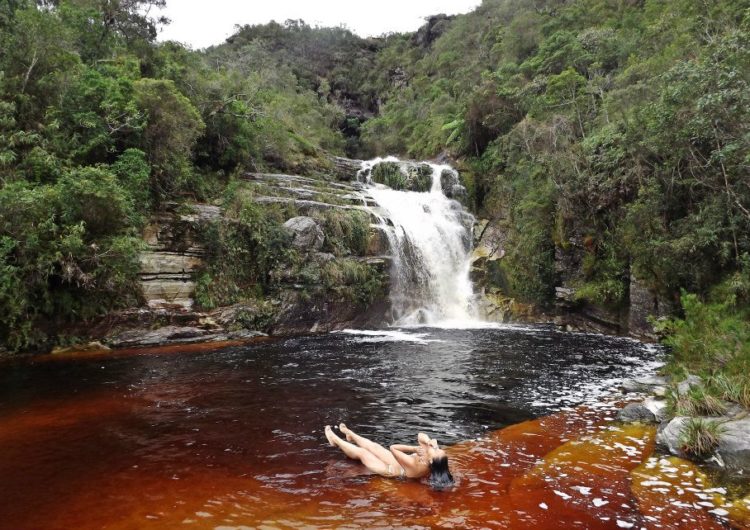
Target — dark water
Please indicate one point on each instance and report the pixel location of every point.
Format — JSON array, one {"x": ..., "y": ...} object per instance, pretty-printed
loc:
[{"x": 126, "y": 441}]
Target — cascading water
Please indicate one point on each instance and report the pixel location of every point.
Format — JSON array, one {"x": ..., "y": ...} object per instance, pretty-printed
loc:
[{"x": 430, "y": 238}]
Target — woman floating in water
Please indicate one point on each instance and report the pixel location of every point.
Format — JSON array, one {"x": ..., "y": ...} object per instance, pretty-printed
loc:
[{"x": 402, "y": 461}]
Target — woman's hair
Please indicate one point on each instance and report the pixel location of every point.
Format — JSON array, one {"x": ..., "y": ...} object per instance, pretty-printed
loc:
[{"x": 440, "y": 475}]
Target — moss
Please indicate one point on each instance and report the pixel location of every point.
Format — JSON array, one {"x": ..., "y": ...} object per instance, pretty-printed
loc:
[
  {"x": 390, "y": 174},
  {"x": 346, "y": 231},
  {"x": 352, "y": 280}
]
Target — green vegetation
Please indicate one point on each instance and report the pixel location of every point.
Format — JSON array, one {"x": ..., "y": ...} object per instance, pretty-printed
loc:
[
  {"x": 700, "y": 437},
  {"x": 608, "y": 139}
]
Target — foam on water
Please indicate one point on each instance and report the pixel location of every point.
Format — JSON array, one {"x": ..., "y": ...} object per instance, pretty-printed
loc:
[{"x": 365, "y": 336}]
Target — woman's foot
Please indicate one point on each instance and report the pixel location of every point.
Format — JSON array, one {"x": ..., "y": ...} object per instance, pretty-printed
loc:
[
  {"x": 330, "y": 435},
  {"x": 345, "y": 430}
]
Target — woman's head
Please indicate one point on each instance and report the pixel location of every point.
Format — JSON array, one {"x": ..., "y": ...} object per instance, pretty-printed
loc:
[{"x": 440, "y": 475}]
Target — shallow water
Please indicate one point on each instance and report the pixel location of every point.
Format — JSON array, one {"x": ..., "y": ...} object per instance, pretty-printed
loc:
[{"x": 232, "y": 438}]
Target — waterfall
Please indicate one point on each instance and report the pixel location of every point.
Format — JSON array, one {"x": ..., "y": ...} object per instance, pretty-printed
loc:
[{"x": 429, "y": 233}]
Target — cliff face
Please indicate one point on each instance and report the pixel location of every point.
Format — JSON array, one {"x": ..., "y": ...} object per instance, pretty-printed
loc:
[{"x": 298, "y": 295}]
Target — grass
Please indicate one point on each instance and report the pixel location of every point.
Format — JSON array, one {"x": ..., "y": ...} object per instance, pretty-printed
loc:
[
  {"x": 698, "y": 401},
  {"x": 700, "y": 438},
  {"x": 731, "y": 388}
]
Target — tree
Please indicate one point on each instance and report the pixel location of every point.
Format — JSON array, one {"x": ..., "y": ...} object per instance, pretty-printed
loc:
[{"x": 173, "y": 125}]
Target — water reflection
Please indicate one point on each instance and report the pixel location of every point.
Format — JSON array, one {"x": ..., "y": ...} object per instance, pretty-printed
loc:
[{"x": 233, "y": 436}]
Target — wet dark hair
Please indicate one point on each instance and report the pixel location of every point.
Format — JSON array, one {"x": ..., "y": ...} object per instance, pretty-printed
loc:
[{"x": 440, "y": 475}]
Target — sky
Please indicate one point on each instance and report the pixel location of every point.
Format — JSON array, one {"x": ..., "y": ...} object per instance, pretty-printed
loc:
[{"x": 202, "y": 23}]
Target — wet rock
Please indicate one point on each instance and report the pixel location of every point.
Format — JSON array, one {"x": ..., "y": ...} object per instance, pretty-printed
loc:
[
  {"x": 733, "y": 451},
  {"x": 90, "y": 347},
  {"x": 300, "y": 313},
  {"x": 450, "y": 182},
  {"x": 306, "y": 233},
  {"x": 654, "y": 384},
  {"x": 377, "y": 241},
  {"x": 650, "y": 410},
  {"x": 161, "y": 336},
  {"x": 636, "y": 412},
  {"x": 177, "y": 335}
]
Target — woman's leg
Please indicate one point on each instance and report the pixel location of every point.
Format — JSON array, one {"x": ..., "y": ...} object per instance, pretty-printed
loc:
[
  {"x": 378, "y": 450},
  {"x": 370, "y": 461}
]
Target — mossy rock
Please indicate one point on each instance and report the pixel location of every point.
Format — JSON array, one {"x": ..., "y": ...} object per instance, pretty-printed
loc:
[
  {"x": 419, "y": 178},
  {"x": 390, "y": 174},
  {"x": 414, "y": 178}
]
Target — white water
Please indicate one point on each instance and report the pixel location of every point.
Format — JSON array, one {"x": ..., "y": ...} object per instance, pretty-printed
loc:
[{"x": 430, "y": 239}]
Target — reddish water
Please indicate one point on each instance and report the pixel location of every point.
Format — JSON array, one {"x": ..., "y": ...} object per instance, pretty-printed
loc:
[{"x": 231, "y": 439}]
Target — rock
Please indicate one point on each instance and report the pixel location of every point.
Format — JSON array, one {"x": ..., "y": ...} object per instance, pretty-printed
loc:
[
  {"x": 324, "y": 257},
  {"x": 90, "y": 347},
  {"x": 161, "y": 336},
  {"x": 650, "y": 410},
  {"x": 636, "y": 412},
  {"x": 377, "y": 241},
  {"x": 435, "y": 26},
  {"x": 245, "y": 334},
  {"x": 669, "y": 433},
  {"x": 306, "y": 233},
  {"x": 658, "y": 408},
  {"x": 654, "y": 384},
  {"x": 684, "y": 386},
  {"x": 734, "y": 439},
  {"x": 565, "y": 295},
  {"x": 734, "y": 445},
  {"x": 166, "y": 335}
]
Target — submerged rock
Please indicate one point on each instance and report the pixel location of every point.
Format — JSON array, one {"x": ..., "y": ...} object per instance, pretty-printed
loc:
[{"x": 306, "y": 233}]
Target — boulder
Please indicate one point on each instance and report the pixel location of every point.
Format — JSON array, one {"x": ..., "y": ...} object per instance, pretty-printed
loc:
[
  {"x": 650, "y": 410},
  {"x": 636, "y": 412},
  {"x": 733, "y": 451},
  {"x": 306, "y": 233},
  {"x": 734, "y": 445},
  {"x": 653, "y": 384}
]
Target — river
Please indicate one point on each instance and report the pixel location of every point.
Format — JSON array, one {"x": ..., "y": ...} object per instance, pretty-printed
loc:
[{"x": 191, "y": 437}]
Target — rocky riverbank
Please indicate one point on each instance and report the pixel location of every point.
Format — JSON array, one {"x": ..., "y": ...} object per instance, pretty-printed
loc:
[{"x": 720, "y": 439}]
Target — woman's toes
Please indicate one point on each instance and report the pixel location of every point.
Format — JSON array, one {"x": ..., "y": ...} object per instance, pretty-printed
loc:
[
  {"x": 329, "y": 435},
  {"x": 343, "y": 428}
]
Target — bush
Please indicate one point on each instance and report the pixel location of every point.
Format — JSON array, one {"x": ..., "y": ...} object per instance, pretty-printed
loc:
[{"x": 66, "y": 254}]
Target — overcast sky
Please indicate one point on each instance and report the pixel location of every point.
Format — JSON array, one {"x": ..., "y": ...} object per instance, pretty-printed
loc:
[{"x": 201, "y": 23}]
